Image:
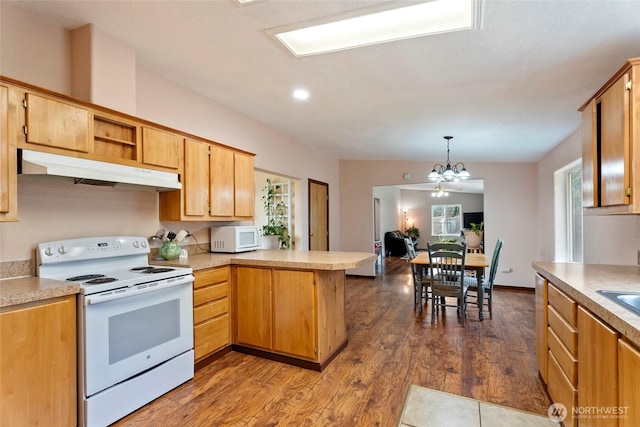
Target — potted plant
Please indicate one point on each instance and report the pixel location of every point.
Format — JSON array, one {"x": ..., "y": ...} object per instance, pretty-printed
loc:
[
  {"x": 474, "y": 235},
  {"x": 275, "y": 233},
  {"x": 413, "y": 232}
]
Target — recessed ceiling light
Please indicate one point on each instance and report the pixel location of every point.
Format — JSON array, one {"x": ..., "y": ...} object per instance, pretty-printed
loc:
[
  {"x": 301, "y": 94},
  {"x": 382, "y": 23}
]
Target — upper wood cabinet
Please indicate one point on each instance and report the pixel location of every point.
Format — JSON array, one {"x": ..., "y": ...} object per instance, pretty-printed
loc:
[
  {"x": 244, "y": 191},
  {"x": 610, "y": 136},
  {"x": 217, "y": 184},
  {"x": 161, "y": 148},
  {"x": 55, "y": 123},
  {"x": 8, "y": 173},
  {"x": 218, "y": 181},
  {"x": 222, "y": 179}
]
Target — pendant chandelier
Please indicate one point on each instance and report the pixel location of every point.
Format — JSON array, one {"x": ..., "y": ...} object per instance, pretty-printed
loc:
[
  {"x": 448, "y": 173},
  {"x": 440, "y": 191}
]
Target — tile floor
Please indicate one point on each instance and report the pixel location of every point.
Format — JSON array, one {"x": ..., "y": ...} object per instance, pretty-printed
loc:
[{"x": 430, "y": 408}]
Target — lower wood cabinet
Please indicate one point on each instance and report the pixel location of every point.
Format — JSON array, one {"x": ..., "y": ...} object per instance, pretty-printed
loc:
[
  {"x": 585, "y": 364},
  {"x": 38, "y": 364},
  {"x": 298, "y": 314},
  {"x": 277, "y": 310},
  {"x": 562, "y": 342},
  {"x": 628, "y": 381},
  {"x": 211, "y": 320},
  {"x": 253, "y": 309},
  {"x": 597, "y": 369},
  {"x": 294, "y": 313},
  {"x": 541, "y": 326}
]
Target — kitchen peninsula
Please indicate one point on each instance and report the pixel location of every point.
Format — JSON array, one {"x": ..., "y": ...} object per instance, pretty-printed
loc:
[{"x": 282, "y": 305}]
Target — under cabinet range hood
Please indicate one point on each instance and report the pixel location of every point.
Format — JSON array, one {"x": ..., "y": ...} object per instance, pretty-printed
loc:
[{"x": 92, "y": 172}]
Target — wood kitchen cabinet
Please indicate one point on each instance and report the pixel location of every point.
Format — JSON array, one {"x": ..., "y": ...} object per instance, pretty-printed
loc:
[
  {"x": 276, "y": 310},
  {"x": 595, "y": 364},
  {"x": 297, "y": 314},
  {"x": 161, "y": 148},
  {"x": 211, "y": 319},
  {"x": 253, "y": 307},
  {"x": 541, "y": 326},
  {"x": 610, "y": 137},
  {"x": 294, "y": 317},
  {"x": 8, "y": 172},
  {"x": 56, "y": 123},
  {"x": 38, "y": 363},
  {"x": 562, "y": 357},
  {"x": 597, "y": 368},
  {"x": 217, "y": 185},
  {"x": 628, "y": 380}
]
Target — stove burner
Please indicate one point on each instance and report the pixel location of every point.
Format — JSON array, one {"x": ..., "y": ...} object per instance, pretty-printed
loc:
[
  {"x": 152, "y": 270},
  {"x": 84, "y": 277},
  {"x": 100, "y": 280},
  {"x": 141, "y": 268}
]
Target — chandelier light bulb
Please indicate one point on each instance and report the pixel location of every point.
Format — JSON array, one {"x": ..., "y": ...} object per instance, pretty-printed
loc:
[{"x": 447, "y": 172}]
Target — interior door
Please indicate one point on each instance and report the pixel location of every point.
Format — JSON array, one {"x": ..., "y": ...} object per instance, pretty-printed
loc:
[{"x": 318, "y": 216}]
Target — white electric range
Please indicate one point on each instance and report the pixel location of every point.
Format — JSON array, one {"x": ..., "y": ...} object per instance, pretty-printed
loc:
[{"x": 135, "y": 322}]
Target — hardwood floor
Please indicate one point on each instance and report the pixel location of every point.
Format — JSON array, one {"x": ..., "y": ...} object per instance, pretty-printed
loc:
[{"x": 390, "y": 347}]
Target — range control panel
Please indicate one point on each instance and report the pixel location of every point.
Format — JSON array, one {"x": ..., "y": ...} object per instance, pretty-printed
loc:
[{"x": 91, "y": 248}]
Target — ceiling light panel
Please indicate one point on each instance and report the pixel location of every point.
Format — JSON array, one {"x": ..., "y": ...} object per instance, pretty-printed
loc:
[{"x": 374, "y": 26}]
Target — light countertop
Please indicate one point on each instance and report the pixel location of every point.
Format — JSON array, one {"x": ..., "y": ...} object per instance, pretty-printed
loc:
[
  {"x": 581, "y": 281},
  {"x": 23, "y": 290},
  {"x": 29, "y": 289},
  {"x": 306, "y": 260}
]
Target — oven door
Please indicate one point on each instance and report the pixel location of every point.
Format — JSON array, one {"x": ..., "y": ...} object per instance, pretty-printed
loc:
[{"x": 126, "y": 335}]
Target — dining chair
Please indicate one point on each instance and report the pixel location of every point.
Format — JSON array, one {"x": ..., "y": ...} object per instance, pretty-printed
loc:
[
  {"x": 487, "y": 283},
  {"x": 446, "y": 262},
  {"x": 421, "y": 278}
]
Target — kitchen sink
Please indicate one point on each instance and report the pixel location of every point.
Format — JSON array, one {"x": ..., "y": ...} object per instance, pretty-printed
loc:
[{"x": 628, "y": 300}]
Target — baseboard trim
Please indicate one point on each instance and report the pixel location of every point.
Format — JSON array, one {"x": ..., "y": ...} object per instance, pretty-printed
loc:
[
  {"x": 514, "y": 288},
  {"x": 306, "y": 364}
]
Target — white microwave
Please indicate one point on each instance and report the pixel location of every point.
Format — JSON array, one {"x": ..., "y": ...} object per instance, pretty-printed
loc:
[{"x": 233, "y": 239}]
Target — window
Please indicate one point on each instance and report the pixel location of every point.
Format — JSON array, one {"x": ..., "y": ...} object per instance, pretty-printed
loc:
[
  {"x": 568, "y": 213},
  {"x": 446, "y": 220},
  {"x": 574, "y": 215}
]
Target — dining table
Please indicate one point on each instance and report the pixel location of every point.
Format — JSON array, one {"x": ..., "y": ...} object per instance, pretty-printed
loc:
[{"x": 474, "y": 262}]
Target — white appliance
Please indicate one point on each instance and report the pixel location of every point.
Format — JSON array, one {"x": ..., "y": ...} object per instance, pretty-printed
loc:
[
  {"x": 92, "y": 172},
  {"x": 233, "y": 239},
  {"x": 135, "y": 323}
]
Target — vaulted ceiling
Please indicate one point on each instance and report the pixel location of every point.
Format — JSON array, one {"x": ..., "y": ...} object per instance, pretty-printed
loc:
[{"x": 507, "y": 92}]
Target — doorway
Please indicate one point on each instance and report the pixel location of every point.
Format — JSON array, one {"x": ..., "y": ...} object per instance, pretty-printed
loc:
[{"x": 318, "y": 215}]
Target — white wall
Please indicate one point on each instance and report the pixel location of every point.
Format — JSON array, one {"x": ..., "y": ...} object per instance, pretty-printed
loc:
[
  {"x": 390, "y": 202},
  {"x": 509, "y": 207}
]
